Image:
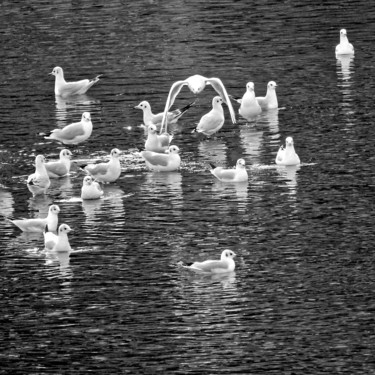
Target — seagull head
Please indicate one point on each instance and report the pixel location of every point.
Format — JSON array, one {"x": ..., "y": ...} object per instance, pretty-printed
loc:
[
  {"x": 227, "y": 254},
  {"x": 250, "y": 86},
  {"x": 87, "y": 181},
  {"x": 65, "y": 154},
  {"x": 115, "y": 153},
  {"x": 289, "y": 141},
  {"x": 55, "y": 209},
  {"x": 143, "y": 105},
  {"x": 152, "y": 129},
  {"x": 343, "y": 32},
  {"x": 64, "y": 228},
  {"x": 173, "y": 149},
  {"x": 57, "y": 71},
  {"x": 40, "y": 159},
  {"x": 217, "y": 101},
  {"x": 86, "y": 116},
  {"x": 272, "y": 85},
  {"x": 241, "y": 163}
]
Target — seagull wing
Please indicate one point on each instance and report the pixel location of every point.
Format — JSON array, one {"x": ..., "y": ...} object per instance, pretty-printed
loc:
[
  {"x": 220, "y": 89},
  {"x": 173, "y": 92},
  {"x": 210, "y": 122},
  {"x": 155, "y": 158},
  {"x": 210, "y": 265},
  {"x": 71, "y": 131},
  {"x": 56, "y": 168},
  {"x": 97, "y": 169},
  {"x": 224, "y": 174}
]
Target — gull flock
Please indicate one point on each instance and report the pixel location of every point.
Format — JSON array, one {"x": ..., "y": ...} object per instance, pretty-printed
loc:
[{"x": 159, "y": 153}]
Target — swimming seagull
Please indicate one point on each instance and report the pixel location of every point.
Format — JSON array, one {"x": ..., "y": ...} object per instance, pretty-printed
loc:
[
  {"x": 224, "y": 265},
  {"x": 167, "y": 162},
  {"x": 156, "y": 142},
  {"x": 74, "y": 133},
  {"x": 91, "y": 189},
  {"x": 106, "y": 172},
  {"x": 59, "y": 242},
  {"x": 270, "y": 100},
  {"x": 344, "y": 47},
  {"x": 249, "y": 106},
  {"x": 212, "y": 121},
  {"x": 65, "y": 89},
  {"x": 38, "y": 182},
  {"x": 39, "y": 224},
  {"x": 61, "y": 167},
  {"x": 287, "y": 155},
  {"x": 150, "y": 119},
  {"x": 196, "y": 85},
  {"x": 231, "y": 175}
]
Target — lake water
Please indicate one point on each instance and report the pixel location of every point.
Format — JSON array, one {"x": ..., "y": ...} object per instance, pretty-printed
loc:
[{"x": 301, "y": 300}]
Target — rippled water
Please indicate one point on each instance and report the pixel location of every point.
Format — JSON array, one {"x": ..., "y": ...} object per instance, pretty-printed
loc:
[{"x": 301, "y": 300}]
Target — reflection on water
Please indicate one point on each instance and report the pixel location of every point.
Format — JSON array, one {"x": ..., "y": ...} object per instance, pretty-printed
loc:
[
  {"x": 213, "y": 150},
  {"x": 62, "y": 258},
  {"x": 289, "y": 174},
  {"x": 6, "y": 203},
  {"x": 345, "y": 69},
  {"x": 251, "y": 140},
  {"x": 70, "y": 110}
]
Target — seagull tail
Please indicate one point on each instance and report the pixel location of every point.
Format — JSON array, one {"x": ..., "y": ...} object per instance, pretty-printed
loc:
[
  {"x": 238, "y": 100},
  {"x": 213, "y": 166},
  {"x": 184, "y": 109},
  {"x": 96, "y": 79},
  {"x": 183, "y": 264}
]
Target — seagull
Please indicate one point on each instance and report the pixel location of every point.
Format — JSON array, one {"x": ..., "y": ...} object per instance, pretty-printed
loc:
[
  {"x": 196, "y": 85},
  {"x": 91, "y": 189},
  {"x": 224, "y": 265},
  {"x": 163, "y": 162},
  {"x": 61, "y": 167},
  {"x": 38, "y": 224},
  {"x": 59, "y": 242},
  {"x": 64, "y": 89},
  {"x": 231, "y": 175},
  {"x": 287, "y": 155},
  {"x": 212, "y": 121},
  {"x": 270, "y": 100},
  {"x": 156, "y": 142},
  {"x": 74, "y": 133},
  {"x": 150, "y": 119},
  {"x": 344, "y": 47},
  {"x": 249, "y": 107},
  {"x": 106, "y": 172},
  {"x": 39, "y": 182}
]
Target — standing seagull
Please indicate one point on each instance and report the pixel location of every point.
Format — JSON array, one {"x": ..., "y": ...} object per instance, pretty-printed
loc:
[
  {"x": 212, "y": 121},
  {"x": 344, "y": 47},
  {"x": 287, "y": 155},
  {"x": 106, "y": 172},
  {"x": 61, "y": 167},
  {"x": 196, "y": 85},
  {"x": 162, "y": 162},
  {"x": 270, "y": 100},
  {"x": 150, "y": 119},
  {"x": 74, "y": 133},
  {"x": 39, "y": 224},
  {"x": 224, "y": 265},
  {"x": 231, "y": 175},
  {"x": 59, "y": 242},
  {"x": 156, "y": 142},
  {"x": 39, "y": 182},
  {"x": 249, "y": 107},
  {"x": 65, "y": 89}
]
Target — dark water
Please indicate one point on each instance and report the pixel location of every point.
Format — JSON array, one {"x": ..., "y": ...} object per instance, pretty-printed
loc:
[{"x": 302, "y": 298}]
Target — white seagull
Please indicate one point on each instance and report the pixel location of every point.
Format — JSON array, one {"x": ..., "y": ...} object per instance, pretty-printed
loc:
[
  {"x": 91, "y": 189},
  {"x": 39, "y": 182},
  {"x": 61, "y": 167},
  {"x": 249, "y": 106},
  {"x": 196, "y": 85},
  {"x": 59, "y": 242},
  {"x": 162, "y": 162},
  {"x": 74, "y": 133},
  {"x": 231, "y": 175},
  {"x": 344, "y": 47},
  {"x": 106, "y": 172},
  {"x": 224, "y": 265},
  {"x": 150, "y": 119},
  {"x": 287, "y": 155},
  {"x": 212, "y": 121},
  {"x": 39, "y": 224},
  {"x": 270, "y": 100},
  {"x": 156, "y": 142},
  {"x": 65, "y": 89}
]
